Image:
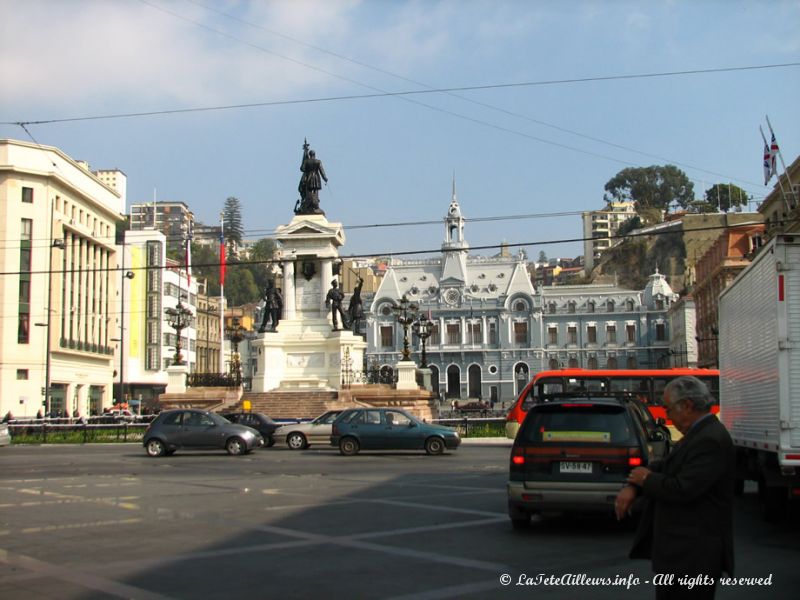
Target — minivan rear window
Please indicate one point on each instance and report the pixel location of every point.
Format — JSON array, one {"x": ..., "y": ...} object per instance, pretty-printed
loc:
[{"x": 555, "y": 424}]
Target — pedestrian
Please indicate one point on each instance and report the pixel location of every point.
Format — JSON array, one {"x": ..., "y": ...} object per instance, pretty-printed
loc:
[{"x": 686, "y": 527}]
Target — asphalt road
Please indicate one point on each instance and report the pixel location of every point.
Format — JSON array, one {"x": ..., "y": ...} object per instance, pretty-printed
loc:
[{"x": 105, "y": 521}]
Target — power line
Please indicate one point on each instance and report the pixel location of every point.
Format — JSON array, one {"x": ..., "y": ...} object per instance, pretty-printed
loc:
[
  {"x": 501, "y": 245},
  {"x": 398, "y": 93}
]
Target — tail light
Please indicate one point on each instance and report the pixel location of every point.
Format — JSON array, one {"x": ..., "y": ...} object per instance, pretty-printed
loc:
[
  {"x": 517, "y": 456},
  {"x": 635, "y": 457}
]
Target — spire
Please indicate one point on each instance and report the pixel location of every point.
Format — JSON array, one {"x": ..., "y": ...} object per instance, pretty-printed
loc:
[{"x": 454, "y": 187}]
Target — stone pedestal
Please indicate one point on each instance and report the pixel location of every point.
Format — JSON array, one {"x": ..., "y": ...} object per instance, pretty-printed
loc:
[
  {"x": 305, "y": 352},
  {"x": 407, "y": 375},
  {"x": 176, "y": 379}
]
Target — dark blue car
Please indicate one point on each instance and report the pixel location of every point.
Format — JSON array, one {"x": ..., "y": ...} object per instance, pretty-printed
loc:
[{"x": 389, "y": 429}]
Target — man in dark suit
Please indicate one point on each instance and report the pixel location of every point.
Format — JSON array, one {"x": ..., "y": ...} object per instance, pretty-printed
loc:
[{"x": 687, "y": 524}]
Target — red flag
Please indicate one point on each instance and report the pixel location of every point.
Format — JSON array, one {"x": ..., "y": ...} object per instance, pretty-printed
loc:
[{"x": 221, "y": 259}]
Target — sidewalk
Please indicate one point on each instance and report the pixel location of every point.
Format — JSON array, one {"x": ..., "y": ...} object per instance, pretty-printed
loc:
[{"x": 486, "y": 441}]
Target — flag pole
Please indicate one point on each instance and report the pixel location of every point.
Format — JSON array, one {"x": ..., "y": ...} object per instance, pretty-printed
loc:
[
  {"x": 221, "y": 299},
  {"x": 792, "y": 191},
  {"x": 767, "y": 165}
]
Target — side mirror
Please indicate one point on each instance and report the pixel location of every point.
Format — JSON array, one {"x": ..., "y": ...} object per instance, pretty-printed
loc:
[
  {"x": 412, "y": 424},
  {"x": 661, "y": 421}
]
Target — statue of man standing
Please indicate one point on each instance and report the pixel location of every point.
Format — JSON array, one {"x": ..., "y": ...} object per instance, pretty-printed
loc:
[
  {"x": 273, "y": 306},
  {"x": 334, "y": 301},
  {"x": 310, "y": 183}
]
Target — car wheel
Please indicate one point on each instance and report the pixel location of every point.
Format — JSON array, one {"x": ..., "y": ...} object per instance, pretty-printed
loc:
[
  {"x": 434, "y": 445},
  {"x": 348, "y": 446},
  {"x": 296, "y": 441},
  {"x": 235, "y": 446},
  {"x": 155, "y": 448}
]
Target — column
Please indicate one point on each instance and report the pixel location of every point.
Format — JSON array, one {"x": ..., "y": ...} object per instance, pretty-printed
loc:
[
  {"x": 326, "y": 276},
  {"x": 289, "y": 301},
  {"x": 463, "y": 331},
  {"x": 484, "y": 330}
]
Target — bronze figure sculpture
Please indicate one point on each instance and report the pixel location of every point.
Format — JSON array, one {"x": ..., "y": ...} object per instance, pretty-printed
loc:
[
  {"x": 310, "y": 183},
  {"x": 355, "y": 309},
  {"x": 273, "y": 307},
  {"x": 334, "y": 301}
]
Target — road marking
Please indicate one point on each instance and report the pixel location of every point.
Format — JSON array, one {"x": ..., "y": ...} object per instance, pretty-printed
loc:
[{"x": 87, "y": 580}]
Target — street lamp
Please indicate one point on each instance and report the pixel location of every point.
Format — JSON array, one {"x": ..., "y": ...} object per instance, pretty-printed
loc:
[
  {"x": 423, "y": 328},
  {"x": 405, "y": 313},
  {"x": 235, "y": 334},
  {"x": 179, "y": 318}
]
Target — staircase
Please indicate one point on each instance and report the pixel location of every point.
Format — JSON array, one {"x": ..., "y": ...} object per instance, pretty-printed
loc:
[{"x": 300, "y": 404}]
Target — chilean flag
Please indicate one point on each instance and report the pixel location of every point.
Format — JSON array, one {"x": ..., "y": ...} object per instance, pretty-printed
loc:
[
  {"x": 221, "y": 258},
  {"x": 768, "y": 163},
  {"x": 773, "y": 153}
]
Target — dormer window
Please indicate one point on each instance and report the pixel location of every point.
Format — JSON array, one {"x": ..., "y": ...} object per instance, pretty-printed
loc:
[{"x": 610, "y": 306}]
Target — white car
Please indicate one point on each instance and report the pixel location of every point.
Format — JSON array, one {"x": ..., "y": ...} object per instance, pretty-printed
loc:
[
  {"x": 299, "y": 436},
  {"x": 5, "y": 435}
]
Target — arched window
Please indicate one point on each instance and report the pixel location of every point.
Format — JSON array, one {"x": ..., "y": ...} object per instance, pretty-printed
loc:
[
  {"x": 612, "y": 363},
  {"x": 553, "y": 363},
  {"x": 592, "y": 362},
  {"x": 631, "y": 363}
]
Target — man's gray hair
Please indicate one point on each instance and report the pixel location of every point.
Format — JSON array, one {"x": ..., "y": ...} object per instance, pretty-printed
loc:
[{"x": 692, "y": 390}]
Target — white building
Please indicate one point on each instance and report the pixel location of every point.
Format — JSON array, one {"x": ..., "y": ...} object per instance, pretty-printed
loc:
[
  {"x": 600, "y": 226},
  {"x": 58, "y": 291},
  {"x": 152, "y": 285}
]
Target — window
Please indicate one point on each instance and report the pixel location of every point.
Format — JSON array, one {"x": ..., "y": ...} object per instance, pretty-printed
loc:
[
  {"x": 453, "y": 333},
  {"x": 25, "y": 258},
  {"x": 572, "y": 334},
  {"x": 26, "y": 230},
  {"x": 520, "y": 306},
  {"x": 571, "y": 307},
  {"x": 661, "y": 332},
  {"x": 659, "y": 304},
  {"x": 629, "y": 305},
  {"x": 552, "y": 335},
  {"x": 22, "y": 373},
  {"x": 24, "y": 291},
  {"x": 610, "y": 306},
  {"x": 630, "y": 333},
  {"x": 592, "y": 362},
  {"x": 435, "y": 338},
  {"x": 590, "y": 306},
  {"x": 27, "y": 195},
  {"x": 612, "y": 363},
  {"x": 23, "y": 328},
  {"x": 387, "y": 336},
  {"x": 551, "y": 308},
  {"x": 591, "y": 334},
  {"x": 493, "y": 332},
  {"x": 611, "y": 334},
  {"x": 475, "y": 333},
  {"x": 521, "y": 333}
]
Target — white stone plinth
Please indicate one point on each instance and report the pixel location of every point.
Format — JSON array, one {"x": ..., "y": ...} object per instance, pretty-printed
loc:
[
  {"x": 407, "y": 375},
  {"x": 176, "y": 379}
]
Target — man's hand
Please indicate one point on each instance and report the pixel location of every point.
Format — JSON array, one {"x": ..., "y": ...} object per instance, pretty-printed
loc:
[
  {"x": 638, "y": 475},
  {"x": 624, "y": 502}
]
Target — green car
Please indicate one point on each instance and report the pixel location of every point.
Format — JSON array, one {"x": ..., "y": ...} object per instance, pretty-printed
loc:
[{"x": 389, "y": 429}]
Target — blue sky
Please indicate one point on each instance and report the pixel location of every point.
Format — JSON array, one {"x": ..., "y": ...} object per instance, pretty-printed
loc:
[{"x": 515, "y": 151}]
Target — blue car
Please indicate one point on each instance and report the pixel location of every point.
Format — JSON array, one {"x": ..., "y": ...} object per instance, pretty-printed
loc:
[{"x": 389, "y": 429}]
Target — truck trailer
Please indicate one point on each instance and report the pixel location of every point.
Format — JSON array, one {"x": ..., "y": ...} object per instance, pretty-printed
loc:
[{"x": 759, "y": 361}]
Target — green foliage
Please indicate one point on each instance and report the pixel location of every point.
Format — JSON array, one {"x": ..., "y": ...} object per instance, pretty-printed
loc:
[
  {"x": 205, "y": 264},
  {"x": 232, "y": 216},
  {"x": 261, "y": 255},
  {"x": 240, "y": 284},
  {"x": 629, "y": 225},
  {"x": 542, "y": 257},
  {"x": 725, "y": 197},
  {"x": 651, "y": 187}
]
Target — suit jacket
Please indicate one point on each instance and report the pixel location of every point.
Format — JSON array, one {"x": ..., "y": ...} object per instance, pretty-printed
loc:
[{"x": 687, "y": 523}]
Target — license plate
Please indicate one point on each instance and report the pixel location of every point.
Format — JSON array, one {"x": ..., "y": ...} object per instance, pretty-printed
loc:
[{"x": 575, "y": 467}]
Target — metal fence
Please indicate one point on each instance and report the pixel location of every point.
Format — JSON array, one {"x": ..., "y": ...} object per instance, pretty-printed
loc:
[{"x": 62, "y": 431}]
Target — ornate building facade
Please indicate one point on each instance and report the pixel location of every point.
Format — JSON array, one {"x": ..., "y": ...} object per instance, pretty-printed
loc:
[{"x": 493, "y": 329}]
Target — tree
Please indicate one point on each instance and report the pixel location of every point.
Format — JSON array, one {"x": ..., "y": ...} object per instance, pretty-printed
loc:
[
  {"x": 232, "y": 216},
  {"x": 724, "y": 197},
  {"x": 240, "y": 285},
  {"x": 651, "y": 187},
  {"x": 261, "y": 255},
  {"x": 205, "y": 264},
  {"x": 542, "y": 257}
]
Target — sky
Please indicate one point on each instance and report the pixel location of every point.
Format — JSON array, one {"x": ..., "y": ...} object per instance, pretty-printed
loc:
[{"x": 557, "y": 113}]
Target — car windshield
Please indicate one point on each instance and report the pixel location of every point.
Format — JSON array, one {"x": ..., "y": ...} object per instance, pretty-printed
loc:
[
  {"x": 578, "y": 423},
  {"x": 327, "y": 418},
  {"x": 218, "y": 419}
]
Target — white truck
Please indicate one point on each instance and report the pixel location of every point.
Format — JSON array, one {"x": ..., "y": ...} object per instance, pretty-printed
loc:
[{"x": 759, "y": 361}]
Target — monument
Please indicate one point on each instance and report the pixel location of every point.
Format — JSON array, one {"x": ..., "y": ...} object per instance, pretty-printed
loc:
[{"x": 304, "y": 347}]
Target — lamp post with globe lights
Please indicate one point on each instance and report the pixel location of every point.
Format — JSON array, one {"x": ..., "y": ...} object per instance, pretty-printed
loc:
[
  {"x": 405, "y": 312},
  {"x": 423, "y": 328},
  {"x": 179, "y": 318}
]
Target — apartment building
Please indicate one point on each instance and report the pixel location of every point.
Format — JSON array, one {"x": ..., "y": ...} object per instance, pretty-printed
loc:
[{"x": 600, "y": 226}]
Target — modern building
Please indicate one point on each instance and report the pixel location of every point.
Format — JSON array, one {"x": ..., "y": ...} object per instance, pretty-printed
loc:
[
  {"x": 173, "y": 219},
  {"x": 492, "y": 329},
  {"x": 152, "y": 283},
  {"x": 599, "y": 228},
  {"x": 59, "y": 294}
]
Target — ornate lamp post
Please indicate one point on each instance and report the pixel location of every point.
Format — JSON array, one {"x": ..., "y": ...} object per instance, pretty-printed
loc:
[
  {"x": 235, "y": 334},
  {"x": 405, "y": 313},
  {"x": 423, "y": 328},
  {"x": 179, "y": 318}
]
